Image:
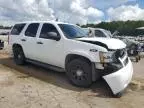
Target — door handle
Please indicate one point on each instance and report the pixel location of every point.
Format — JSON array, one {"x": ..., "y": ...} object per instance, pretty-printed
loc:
[
  {"x": 39, "y": 43},
  {"x": 23, "y": 40}
]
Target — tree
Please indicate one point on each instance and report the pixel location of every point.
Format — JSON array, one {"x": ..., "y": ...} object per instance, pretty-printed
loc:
[{"x": 124, "y": 28}]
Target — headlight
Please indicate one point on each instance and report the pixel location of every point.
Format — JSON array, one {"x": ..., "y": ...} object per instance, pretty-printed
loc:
[{"x": 106, "y": 57}]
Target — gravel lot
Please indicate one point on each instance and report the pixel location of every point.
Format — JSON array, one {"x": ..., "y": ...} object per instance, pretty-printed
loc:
[{"x": 31, "y": 86}]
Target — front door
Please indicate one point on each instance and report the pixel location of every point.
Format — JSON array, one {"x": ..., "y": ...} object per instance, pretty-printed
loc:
[{"x": 50, "y": 51}]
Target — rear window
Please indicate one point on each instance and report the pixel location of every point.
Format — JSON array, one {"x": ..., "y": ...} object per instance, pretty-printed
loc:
[{"x": 17, "y": 29}]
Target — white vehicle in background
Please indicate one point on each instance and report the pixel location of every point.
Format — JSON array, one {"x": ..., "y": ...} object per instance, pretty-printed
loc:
[
  {"x": 3, "y": 37},
  {"x": 66, "y": 47},
  {"x": 97, "y": 32}
]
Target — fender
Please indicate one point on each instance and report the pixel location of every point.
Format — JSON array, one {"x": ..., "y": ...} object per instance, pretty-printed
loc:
[{"x": 91, "y": 57}]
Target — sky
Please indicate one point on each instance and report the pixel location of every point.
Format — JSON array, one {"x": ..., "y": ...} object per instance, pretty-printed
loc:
[{"x": 71, "y": 11}]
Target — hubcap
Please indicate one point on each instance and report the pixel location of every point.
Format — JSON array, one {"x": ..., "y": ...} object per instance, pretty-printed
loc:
[
  {"x": 79, "y": 72},
  {"x": 19, "y": 56}
]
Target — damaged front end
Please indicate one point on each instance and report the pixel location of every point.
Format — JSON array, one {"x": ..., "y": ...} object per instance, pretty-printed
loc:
[
  {"x": 116, "y": 68},
  {"x": 111, "y": 61}
]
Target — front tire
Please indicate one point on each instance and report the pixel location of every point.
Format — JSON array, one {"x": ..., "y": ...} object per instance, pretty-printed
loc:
[
  {"x": 118, "y": 95},
  {"x": 79, "y": 72},
  {"x": 19, "y": 56}
]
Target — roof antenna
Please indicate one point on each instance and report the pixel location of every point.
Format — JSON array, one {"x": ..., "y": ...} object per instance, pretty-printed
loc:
[{"x": 57, "y": 19}]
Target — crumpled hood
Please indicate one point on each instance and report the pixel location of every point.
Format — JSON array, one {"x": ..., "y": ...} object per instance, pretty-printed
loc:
[{"x": 111, "y": 43}]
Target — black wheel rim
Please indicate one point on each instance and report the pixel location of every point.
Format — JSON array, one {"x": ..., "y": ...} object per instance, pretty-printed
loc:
[
  {"x": 78, "y": 73},
  {"x": 18, "y": 55}
]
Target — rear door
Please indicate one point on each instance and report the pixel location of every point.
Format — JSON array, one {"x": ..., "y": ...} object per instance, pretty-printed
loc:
[{"x": 29, "y": 40}]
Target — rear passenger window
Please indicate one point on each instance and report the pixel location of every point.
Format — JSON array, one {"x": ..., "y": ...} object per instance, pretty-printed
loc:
[
  {"x": 17, "y": 29},
  {"x": 32, "y": 30}
]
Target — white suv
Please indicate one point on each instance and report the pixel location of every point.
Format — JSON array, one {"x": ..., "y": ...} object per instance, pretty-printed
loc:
[
  {"x": 66, "y": 47},
  {"x": 98, "y": 32}
]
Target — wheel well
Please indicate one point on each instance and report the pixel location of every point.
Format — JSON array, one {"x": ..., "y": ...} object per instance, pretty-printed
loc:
[
  {"x": 71, "y": 57},
  {"x": 16, "y": 46}
]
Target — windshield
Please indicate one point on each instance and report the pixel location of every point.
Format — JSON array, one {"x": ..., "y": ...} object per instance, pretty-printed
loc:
[
  {"x": 86, "y": 30},
  {"x": 99, "y": 33},
  {"x": 72, "y": 31},
  {"x": 108, "y": 33},
  {"x": 103, "y": 33}
]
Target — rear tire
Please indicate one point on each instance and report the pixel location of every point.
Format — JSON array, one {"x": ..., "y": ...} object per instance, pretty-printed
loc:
[
  {"x": 19, "y": 56},
  {"x": 79, "y": 72}
]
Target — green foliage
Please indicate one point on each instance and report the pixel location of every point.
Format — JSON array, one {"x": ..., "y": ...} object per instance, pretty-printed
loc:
[
  {"x": 5, "y": 27},
  {"x": 124, "y": 28}
]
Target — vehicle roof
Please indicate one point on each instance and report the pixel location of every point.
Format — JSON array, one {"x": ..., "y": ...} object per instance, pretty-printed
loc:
[
  {"x": 52, "y": 21},
  {"x": 97, "y": 28},
  {"x": 94, "y": 28}
]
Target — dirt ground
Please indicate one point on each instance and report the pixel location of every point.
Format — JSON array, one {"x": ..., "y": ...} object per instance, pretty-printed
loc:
[{"x": 31, "y": 86}]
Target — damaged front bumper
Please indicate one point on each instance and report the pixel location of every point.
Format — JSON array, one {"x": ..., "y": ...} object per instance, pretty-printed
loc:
[{"x": 120, "y": 79}]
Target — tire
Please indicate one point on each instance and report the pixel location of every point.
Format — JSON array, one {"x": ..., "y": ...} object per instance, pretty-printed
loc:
[
  {"x": 19, "y": 56},
  {"x": 79, "y": 72},
  {"x": 118, "y": 95},
  {"x": 137, "y": 59},
  {"x": 1, "y": 48}
]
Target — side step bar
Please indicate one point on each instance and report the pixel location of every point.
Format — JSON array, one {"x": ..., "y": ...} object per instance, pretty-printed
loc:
[{"x": 47, "y": 66}]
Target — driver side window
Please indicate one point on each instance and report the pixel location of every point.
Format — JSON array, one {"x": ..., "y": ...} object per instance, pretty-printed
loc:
[{"x": 47, "y": 28}]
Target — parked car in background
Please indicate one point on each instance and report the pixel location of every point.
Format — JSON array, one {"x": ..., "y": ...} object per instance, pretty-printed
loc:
[
  {"x": 97, "y": 32},
  {"x": 66, "y": 47},
  {"x": 134, "y": 48}
]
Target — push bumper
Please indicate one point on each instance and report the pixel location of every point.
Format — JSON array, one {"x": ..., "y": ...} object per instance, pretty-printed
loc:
[{"x": 120, "y": 79}]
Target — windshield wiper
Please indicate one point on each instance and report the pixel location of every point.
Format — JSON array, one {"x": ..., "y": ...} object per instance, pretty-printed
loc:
[{"x": 80, "y": 36}]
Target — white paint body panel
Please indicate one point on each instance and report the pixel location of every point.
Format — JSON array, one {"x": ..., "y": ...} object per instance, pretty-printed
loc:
[{"x": 119, "y": 80}]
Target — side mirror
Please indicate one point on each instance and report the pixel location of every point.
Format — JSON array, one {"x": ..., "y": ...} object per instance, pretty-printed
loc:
[{"x": 53, "y": 36}]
